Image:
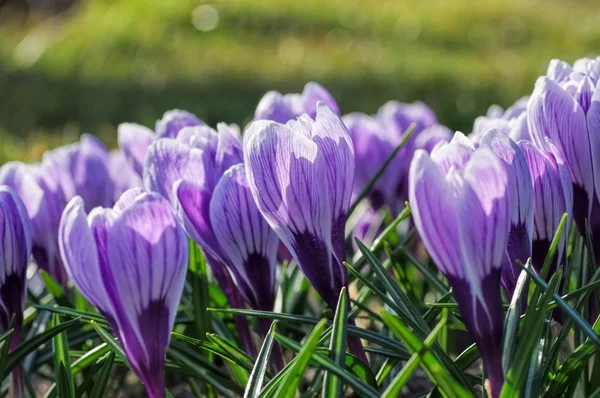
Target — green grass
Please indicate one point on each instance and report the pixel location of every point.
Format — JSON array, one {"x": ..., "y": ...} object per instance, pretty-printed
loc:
[{"x": 111, "y": 61}]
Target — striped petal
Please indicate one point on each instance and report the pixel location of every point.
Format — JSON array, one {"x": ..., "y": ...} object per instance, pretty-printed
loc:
[
  {"x": 134, "y": 141},
  {"x": 147, "y": 257},
  {"x": 247, "y": 241},
  {"x": 173, "y": 121}
]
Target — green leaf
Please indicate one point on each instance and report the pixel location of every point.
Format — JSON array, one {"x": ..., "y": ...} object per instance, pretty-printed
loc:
[
  {"x": 324, "y": 362},
  {"x": 511, "y": 324},
  {"x": 65, "y": 384},
  {"x": 89, "y": 358},
  {"x": 393, "y": 289},
  {"x": 55, "y": 289},
  {"x": 101, "y": 381},
  {"x": 88, "y": 316},
  {"x": 257, "y": 377},
  {"x": 373, "y": 337},
  {"x": 289, "y": 385},
  {"x": 431, "y": 364},
  {"x": 570, "y": 371},
  {"x": 200, "y": 289},
  {"x": 426, "y": 271},
  {"x": 332, "y": 386},
  {"x": 111, "y": 342},
  {"x": 34, "y": 343},
  {"x": 367, "y": 189},
  {"x": 411, "y": 365},
  {"x": 532, "y": 323}
]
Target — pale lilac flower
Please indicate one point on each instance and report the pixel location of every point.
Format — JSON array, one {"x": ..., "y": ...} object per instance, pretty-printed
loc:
[{"x": 130, "y": 262}]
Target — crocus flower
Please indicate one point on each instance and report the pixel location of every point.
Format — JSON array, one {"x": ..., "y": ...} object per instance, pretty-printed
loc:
[
  {"x": 15, "y": 240},
  {"x": 15, "y": 243},
  {"x": 174, "y": 120},
  {"x": 521, "y": 202},
  {"x": 135, "y": 139},
  {"x": 44, "y": 201},
  {"x": 375, "y": 139},
  {"x": 553, "y": 196},
  {"x": 512, "y": 121},
  {"x": 301, "y": 176},
  {"x": 197, "y": 173},
  {"x": 122, "y": 174},
  {"x": 373, "y": 144},
  {"x": 130, "y": 262},
  {"x": 82, "y": 169},
  {"x": 282, "y": 108},
  {"x": 461, "y": 208},
  {"x": 565, "y": 107}
]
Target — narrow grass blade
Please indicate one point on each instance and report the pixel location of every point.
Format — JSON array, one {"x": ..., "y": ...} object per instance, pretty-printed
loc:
[
  {"x": 200, "y": 291},
  {"x": 511, "y": 324},
  {"x": 101, "y": 381},
  {"x": 367, "y": 189},
  {"x": 332, "y": 386},
  {"x": 62, "y": 361},
  {"x": 532, "y": 323},
  {"x": 324, "y": 362},
  {"x": 402, "y": 378},
  {"x": 257, "y": 377},
  {"x": 289, "y": 385},
  {"x": 33, "y": 343},
  {"x": 431, "y": 364},
  {"x": 112, "y": 343},
  {"x": 88, "y": 316}
]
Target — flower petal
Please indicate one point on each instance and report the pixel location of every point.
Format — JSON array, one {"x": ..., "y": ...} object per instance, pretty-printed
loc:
[
  {"x": 434, "y": 211},
  {"x": 134, "y": 141},
  {"x": 173, "y": 121},
  {"x": 168, "y": 161},
  {"x": 247, "y": 241},
  {"x": 147, "y": 256}
]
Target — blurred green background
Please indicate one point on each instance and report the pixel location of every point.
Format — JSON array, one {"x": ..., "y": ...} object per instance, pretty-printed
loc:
[{"x": 68, "y": 67}]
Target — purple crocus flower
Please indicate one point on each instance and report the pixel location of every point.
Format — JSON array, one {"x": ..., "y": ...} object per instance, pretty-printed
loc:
[
  {"x": 199, "y": 173},
  {"x": 521, "y": 202},
  {"x": 461, "y": 207},
  {"x": 282, "y": 108},
  {"x": 122, "y": 174},
  {"x": 134, "y": 140},
  {"x": 512, "y": 121},
  {"x": 565, "y": 107},
  {"x": 173, "y": 121},
  {"x": 130, "y": 262},
  {"x": 15, "y": 250},
  {"x": 373, "y": 144},
  {"x": 44, "y": 201},
  {"x": 553, "y": 196},
  {"x": 301, "y": 176},
  {"x": 375, "y": 139},
  {"x": 82, "y": 169}
]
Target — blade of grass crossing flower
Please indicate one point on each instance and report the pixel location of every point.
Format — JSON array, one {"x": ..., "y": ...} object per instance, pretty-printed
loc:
[
  {"x": 554, "y": 246},
  {"x": 392, "y": 288},
  {"x": 324, "y": 362},
  {"x": 566, "y": 309},
  {"x": 367, "y": 189},
  {"x": 89, "y": 358},
  {"x": 533, "y": 381},
  {"x": 257, "y": 377},
  {"x": 289, "y": 386},
  {"x": 200, "y": 291},
  {"x": 101, "y": 381},
  {"x": 402, "y": 378},
  {"x": 32, "y": 344},
  {"x": 223, "y": 386},
  {"x": 332, "y": 386},
  {"x": 62, "y": 362},
  {"x": 111, "y": 342},
  {"x": 533, "y": 323},
  {"x": 570, "y": 371},
  {"x": 513, "y": 315},
  {"x": 88, "y": 316},
  {"x": 373, "y": 337},
  {"x": 435, "y": 369}
]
